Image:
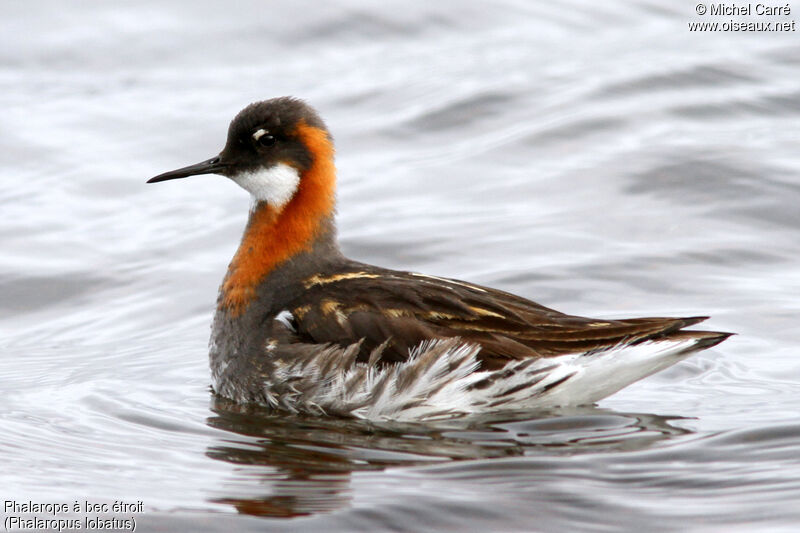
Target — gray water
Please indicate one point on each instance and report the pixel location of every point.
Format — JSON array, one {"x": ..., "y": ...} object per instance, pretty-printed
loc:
[{"x": 597, "y": 157}]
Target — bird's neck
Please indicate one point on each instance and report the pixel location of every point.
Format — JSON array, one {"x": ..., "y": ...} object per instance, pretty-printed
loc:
[{"x": 275, "y": 236}]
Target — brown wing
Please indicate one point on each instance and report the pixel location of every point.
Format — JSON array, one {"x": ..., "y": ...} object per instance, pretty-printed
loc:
[{"x": 375, "y": 305}]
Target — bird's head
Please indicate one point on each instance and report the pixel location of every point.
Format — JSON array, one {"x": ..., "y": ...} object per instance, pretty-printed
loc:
[{"x": 272, "y": 146}]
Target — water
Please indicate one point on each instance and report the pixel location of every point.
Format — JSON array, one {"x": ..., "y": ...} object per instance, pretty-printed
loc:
[{"x": 598, "y": 158}]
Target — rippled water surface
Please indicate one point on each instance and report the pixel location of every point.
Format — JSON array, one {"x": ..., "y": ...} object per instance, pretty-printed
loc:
[{"x": 597, "y": 157}]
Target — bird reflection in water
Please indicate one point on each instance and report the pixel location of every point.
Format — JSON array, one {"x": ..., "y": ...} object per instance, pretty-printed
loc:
[{"x": 291, "y": 466}]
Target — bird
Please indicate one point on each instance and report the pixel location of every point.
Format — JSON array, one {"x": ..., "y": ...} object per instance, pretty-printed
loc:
[{"x": 300, "y": 328}]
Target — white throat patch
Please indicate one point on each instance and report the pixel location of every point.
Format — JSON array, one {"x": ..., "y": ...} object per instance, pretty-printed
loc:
[{"x": 275, "y": 185}]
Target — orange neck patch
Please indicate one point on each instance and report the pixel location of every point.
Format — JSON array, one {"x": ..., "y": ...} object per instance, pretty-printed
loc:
[{"x": 274, "y": 235}]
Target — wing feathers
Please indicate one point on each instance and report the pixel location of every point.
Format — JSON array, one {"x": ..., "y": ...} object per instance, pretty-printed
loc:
[{"x": 398, "y": 310}]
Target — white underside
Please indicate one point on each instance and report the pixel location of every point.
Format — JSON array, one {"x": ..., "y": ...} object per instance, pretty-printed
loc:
[
  {"x": 275, "y": 185},
  {"x": 440, "y": 380}
]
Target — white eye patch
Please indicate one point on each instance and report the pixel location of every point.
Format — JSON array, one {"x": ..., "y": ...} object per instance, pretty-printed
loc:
[
  {"x": 275, "y": 185},
  {"x": 259, "y": 133}
]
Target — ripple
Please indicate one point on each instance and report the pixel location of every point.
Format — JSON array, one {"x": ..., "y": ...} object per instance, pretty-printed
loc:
[{"x": 698, "y": 76}]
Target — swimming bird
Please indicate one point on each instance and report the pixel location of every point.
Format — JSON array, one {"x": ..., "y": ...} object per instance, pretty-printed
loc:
[{"x": 301, "y": 328}]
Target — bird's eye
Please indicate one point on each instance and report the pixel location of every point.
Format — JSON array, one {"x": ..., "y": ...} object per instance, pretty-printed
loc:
[
  {"x": 263, "y": 138},
  {"x": 266, "y": 140}
]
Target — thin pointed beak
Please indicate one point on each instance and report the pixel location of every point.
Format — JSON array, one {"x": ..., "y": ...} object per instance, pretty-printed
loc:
[{"x": 210, "y": 166}]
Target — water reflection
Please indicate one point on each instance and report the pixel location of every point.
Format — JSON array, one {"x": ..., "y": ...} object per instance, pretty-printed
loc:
[{"x": 297, "y": 466}]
